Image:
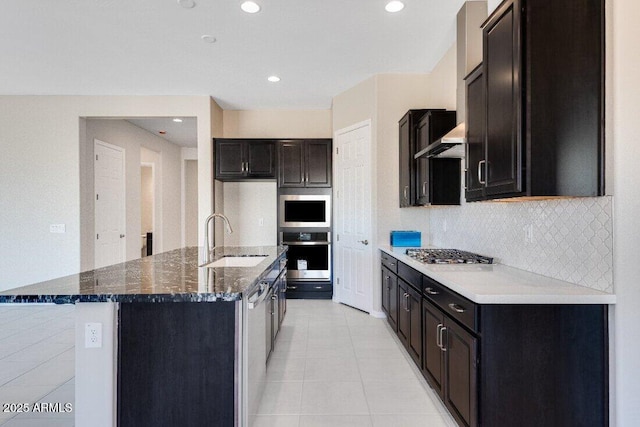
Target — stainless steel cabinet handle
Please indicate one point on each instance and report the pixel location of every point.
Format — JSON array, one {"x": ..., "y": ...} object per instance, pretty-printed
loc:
[
  {"x": 388, "y": 278},
  {"x": 424, "y": 188},
  {"x": 317, "y": 287},
  {"x": 292, "y": 287},
  {"x": 480, "y": 171},
  {"x": 406, "y": 192},
  {"x": 442, "y": 331},
  {"x": 406, "y": 302},
  {"x": 364, "y": 242},
  {"x": 457, "y": 308},
  {"x": 430, "y": 291},
  {"x": 392, "y": 264},
  {"x": 438, "y": 337}
]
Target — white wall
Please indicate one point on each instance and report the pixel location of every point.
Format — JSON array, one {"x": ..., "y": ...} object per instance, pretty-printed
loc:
[
  {"x": 277, "y": 123},
  {"x": 40, "y": 176},
  {"x": 247, "y": 203},
  {"x": 624, "y": 68}
]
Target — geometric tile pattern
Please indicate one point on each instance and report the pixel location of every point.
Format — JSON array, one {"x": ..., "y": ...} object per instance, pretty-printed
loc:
[{"x": 567, "y": 239}]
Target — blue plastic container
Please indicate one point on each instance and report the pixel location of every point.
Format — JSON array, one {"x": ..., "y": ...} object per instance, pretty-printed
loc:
[{"x": 406, "y": 238}]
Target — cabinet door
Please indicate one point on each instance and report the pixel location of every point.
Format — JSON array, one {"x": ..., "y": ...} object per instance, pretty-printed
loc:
[
  {"x": 502, "y": 68},
  {"x": 229, "y": 159},
  {"x": 318, "y": 163},
  {"x": 261, "y": 159},
  {"x": 405, "y": 162},
  {"x": 415, "y": 326},
  {"x": 433, "y": 366},
  {"x": 386, "y": 289},
  {"x": 393, "y": 302},
  {"x": 404, "y": 314},
  {"x": 460, "y": 391},
  {"x": 476, "y": 145},
  {"x": 291, "y": 167},
  {"x": 423, "y": 139}
]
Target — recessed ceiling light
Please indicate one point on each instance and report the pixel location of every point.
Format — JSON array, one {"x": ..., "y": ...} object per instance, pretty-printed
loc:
[
  {"x": 250, "y": 7},
  {"x": 394, "y": 6},
  {"x": 273, "y": 79},
  {"x": 187, "y": 4},
  {"x": 208, "y": 39},
  {"x": 177, "y": 120}
]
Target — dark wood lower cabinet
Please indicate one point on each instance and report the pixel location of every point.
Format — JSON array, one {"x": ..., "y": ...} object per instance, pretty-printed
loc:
[
  {"x": 170, "y": 373},
  {"x": 459, "y": 348},
  {"x": 433, "y": 366},
  {"x": 503, "y": 365},
  {"x": 390, "y": 297},
  {"x": 414, "y": 344}
]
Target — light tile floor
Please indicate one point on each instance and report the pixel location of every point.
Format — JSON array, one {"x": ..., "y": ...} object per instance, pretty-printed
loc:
[
  {"x": 332, "y": 366},
  {"x": 337, "y": 366},
  {"x": 37, "y": 354}
]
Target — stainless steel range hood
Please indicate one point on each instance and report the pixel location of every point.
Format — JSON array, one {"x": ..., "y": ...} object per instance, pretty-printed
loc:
[{"x": 450, "y": 145}]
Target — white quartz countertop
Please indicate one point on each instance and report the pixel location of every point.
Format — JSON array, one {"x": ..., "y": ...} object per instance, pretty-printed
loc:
[{"x": 499, "y": 284}]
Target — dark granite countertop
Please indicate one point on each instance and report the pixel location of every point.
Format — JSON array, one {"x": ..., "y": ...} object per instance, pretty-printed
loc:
[{"x": 172, "y": 276}]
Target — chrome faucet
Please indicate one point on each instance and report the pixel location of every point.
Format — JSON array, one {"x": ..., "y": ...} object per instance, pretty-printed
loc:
[{"x": 207, "y": 248}]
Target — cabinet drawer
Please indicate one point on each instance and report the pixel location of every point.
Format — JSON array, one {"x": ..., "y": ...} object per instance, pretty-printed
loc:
[
  {"x": 309, "y": 287},
  {"x": 390, "y": 262},
  {"x": 411, "y": 276},
  {"x": 455, "y": 306}
]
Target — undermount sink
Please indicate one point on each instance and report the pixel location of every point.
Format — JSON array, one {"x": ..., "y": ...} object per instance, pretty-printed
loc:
[{"x": 237, "y": 261}]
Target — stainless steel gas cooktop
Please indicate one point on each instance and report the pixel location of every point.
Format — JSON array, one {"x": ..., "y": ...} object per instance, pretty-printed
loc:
[{"x": 447, "y": 256}]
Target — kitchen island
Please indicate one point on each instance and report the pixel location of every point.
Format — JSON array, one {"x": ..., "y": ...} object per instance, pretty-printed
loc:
[{"x": 163, "y": 341}]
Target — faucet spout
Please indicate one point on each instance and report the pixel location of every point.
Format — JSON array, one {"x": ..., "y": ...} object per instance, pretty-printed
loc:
[{"x": 207, "y": 222}]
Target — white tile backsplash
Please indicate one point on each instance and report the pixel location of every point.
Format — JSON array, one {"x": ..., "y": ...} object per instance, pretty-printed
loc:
[{"x": 567, "y": 239}]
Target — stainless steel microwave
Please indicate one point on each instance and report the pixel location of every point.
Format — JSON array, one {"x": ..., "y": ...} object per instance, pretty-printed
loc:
[{"x": 304, "y": 210}]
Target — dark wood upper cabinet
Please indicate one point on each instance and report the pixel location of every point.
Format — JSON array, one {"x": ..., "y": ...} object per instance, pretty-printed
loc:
[
  {"x": 426, "y": 181},
  {"x": 240, "y": 159},
  {"x": 543, "y": 78},
  {"x": 304, "y": 163},
  {"x": 476, "y": 135}
]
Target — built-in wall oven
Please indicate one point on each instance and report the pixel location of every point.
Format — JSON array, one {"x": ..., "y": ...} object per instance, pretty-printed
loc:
[
  {"x": 305, "y": 211},
  {"x": 309, "y": 255}
]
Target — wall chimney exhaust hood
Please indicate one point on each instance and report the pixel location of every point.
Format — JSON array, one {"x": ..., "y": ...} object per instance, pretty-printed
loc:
[{"x": 450, "y": 145}]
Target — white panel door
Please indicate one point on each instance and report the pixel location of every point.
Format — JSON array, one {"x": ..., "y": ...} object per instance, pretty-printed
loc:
[
  {"x": 110, "y": 213},
  {"x": 353, "y": 282}
]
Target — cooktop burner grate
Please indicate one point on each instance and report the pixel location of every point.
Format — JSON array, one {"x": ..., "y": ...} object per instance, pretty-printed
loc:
[{"x": 447, "y": 256}]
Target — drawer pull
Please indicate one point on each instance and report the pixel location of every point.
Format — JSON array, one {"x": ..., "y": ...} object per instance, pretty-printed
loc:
[
  {"x": 438, "y": 336},
  {"x": 292, "y": 287},
  {"x": 430, "y": 291},
  {"x": 457, "y": 308},
  {"x": 317, "y": 287},
  {"x": 443, "y": 347}
]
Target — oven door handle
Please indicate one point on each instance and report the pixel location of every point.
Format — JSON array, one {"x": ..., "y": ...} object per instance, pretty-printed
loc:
[{"x": 306, "y": 243}]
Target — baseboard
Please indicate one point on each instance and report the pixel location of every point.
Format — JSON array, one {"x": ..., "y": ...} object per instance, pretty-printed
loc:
[{"x": 378, "y": 314}]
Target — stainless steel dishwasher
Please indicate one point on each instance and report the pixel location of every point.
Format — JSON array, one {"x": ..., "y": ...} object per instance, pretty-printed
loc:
[{"x": 255, "y": 366}]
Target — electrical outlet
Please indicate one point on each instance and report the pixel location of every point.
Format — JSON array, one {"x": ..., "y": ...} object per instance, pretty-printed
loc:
[{"x": 93, "y": 335}]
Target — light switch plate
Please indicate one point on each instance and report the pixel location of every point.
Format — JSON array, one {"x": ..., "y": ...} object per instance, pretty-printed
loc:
[{"x": 57, "y": 228}]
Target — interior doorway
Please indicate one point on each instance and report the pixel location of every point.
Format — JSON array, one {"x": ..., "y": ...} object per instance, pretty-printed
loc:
[
  {"x": 147, "y": 207},
  {"x": 110, "y": 209}
]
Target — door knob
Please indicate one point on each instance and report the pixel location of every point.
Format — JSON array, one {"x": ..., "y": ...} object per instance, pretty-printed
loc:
[{"x": 364, "y": 242}]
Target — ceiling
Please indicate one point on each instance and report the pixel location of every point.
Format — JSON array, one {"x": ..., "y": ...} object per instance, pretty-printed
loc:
[{"x": 318, "y": 48}]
